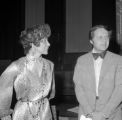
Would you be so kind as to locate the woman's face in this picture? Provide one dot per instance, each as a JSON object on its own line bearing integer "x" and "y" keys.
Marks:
{"x": 43, "y": 46}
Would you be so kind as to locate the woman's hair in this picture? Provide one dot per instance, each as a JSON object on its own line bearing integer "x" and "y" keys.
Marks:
{"x": 34, "y": 35}
{"x": 93, "y": 29}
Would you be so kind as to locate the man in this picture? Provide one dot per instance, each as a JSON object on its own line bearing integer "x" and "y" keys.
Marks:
{"x": 98, "y": 79}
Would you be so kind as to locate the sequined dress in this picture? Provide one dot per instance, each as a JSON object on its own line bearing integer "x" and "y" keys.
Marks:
{"x": 34, "y": 85}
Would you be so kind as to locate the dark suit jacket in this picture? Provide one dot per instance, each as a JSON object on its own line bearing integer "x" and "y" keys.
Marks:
{"x": 110, "y": 85}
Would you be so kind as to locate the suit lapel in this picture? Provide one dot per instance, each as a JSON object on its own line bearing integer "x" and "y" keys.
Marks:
{"x": 91, "y": 71}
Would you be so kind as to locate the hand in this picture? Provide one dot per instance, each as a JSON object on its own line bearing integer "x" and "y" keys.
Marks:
{"x": 98, "y": 116}
{"x": 84, "y": 118}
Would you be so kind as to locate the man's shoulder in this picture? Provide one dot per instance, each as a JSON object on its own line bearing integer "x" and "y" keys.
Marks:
{"x": 84, "y": 56}
{"x": 116, "y": 58}
{"x": 114, "y": 55}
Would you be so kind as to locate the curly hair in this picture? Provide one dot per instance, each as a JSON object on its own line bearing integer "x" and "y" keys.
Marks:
{"x": 34, "y": 35}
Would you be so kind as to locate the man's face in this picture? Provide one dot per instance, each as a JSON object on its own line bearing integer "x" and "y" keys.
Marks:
{"x": 100, "y": 40}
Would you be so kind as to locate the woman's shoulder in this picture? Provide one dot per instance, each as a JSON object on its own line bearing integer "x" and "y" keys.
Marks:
{"x": 48, "y": 63}
{"x": 12, "y": 67}
{"x": 20, "y": 62}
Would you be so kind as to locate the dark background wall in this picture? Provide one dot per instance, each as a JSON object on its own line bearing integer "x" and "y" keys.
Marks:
{"x": 78, "y": 23}
{"x": 12, "y": 16}
{"x": 55, "y": 17}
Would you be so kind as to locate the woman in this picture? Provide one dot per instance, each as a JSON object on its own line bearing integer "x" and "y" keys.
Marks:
{"x": 32, "y": 78}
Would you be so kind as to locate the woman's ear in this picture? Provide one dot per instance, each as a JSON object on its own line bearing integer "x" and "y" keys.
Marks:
{"x": 33, "y": 46}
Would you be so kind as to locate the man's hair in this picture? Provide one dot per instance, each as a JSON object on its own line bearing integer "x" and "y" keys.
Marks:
{"x": 94, "y": 28}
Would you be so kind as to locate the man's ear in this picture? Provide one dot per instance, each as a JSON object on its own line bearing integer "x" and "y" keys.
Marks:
{"x": 91, "y": 42}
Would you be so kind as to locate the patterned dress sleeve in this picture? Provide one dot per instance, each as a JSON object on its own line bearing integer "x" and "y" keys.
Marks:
{"x": 6, "y": 89}
{"x": 21, "y": 85}
{"x": 52, "y": 91}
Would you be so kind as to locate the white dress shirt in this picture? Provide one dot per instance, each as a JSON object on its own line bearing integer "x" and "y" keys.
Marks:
{"x": 97, "y": 67}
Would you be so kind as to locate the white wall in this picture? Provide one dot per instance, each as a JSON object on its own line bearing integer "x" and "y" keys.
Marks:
{"x": 78, "y": 23}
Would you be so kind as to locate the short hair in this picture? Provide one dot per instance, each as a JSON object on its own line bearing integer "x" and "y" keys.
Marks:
{"x": 93, "y": 29}
{"x": 34, "y": 35}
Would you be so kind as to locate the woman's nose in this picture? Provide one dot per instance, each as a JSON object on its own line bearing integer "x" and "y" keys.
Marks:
{"x": 48, "y": 43}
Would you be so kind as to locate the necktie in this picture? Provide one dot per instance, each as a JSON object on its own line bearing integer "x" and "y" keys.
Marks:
{"x": 96, "y": 55}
